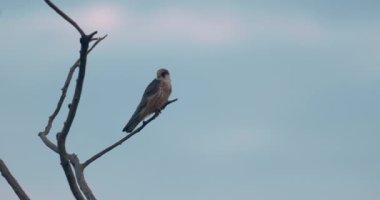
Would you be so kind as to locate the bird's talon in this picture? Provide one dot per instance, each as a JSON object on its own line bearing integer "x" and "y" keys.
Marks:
{"x": 157, "y": 111}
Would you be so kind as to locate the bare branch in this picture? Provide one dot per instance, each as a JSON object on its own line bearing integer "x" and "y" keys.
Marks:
{"x": 67, "y": 18}
{"x": 98, "y": 155}
{"x": 48, "y": 143}
{"x": 96, "y": 43}
{"x": 79, "y": 173}
{"x": 43, "y": 134}
{"x": 169, "y": 102}
{"x": 12, "y": 181}
{"x": 71, "y": 162}
{"x": 77, "y": 92}
{"x": 61, "y": 137}
{"x": 65, "y": 87}
{"x": 70, "y": 175}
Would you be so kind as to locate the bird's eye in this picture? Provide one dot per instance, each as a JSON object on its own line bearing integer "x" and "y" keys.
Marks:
{"x": 164, "y": 73}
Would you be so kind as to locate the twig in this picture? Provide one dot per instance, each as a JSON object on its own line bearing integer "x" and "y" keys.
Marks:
{"x": 48, "y": 143}
{"x": 98, "y": 155}
{"x": 67, "y": 18}
{"x": 12, "y": 181}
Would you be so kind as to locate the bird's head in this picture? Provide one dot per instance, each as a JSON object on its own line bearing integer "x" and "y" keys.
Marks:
{"x": 162, "y": 73}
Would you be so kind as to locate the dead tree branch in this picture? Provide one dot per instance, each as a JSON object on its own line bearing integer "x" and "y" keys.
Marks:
{"x": 61, "y": 136}
{"x": 12, "y": 181}
{"x": 64, "y": 16}
{"x": 43, "y": 134}
{"x": 98, "y": 155}
{"x": 79, "y": 173}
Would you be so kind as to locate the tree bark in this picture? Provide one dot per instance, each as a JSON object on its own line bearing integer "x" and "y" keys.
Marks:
{"x": 12, "y": 181}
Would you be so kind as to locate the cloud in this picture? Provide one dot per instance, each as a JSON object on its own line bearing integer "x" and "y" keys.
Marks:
{"x": 189, "y": 26}
{"x": 107, "y": 17}
{"x": 165, "y": 25}
{"x": 181, "y": 25}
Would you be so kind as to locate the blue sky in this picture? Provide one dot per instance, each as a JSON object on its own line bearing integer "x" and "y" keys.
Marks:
{"x": 277, "y": 100}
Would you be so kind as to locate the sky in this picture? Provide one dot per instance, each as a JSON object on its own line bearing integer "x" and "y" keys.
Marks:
{"x": 277, "y": 99}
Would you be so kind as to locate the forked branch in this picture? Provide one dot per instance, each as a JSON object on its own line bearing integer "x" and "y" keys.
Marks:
{"x": 61, "y": 136}
{"x": 43, "y": 134}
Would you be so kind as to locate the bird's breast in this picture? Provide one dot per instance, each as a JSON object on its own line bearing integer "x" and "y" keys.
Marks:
{"x": 163, "y": 94}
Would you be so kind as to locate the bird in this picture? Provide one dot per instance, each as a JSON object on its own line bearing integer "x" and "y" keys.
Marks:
{"x": 155, "y": 96}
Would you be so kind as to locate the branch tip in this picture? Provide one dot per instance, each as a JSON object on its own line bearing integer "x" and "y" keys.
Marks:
{"x": 92, "y": 34}
{"x": 64, "y": 16}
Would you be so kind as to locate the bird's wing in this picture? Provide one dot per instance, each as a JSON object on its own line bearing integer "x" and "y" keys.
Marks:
{"x": 152, "y": 89}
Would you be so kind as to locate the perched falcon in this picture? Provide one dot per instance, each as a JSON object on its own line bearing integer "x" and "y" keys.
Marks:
{"x": 155, "y": 96}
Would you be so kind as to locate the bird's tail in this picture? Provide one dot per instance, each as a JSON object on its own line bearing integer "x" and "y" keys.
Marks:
{"x": 133, "y": 122}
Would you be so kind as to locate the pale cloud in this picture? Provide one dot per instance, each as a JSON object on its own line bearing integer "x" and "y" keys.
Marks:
{"x": 188, "y": 25}
{"x": 184, "y": 25}
{"x": 181, "y": 25}
{"x": 168, "y": 25}
{"x": 105, "y": 18}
